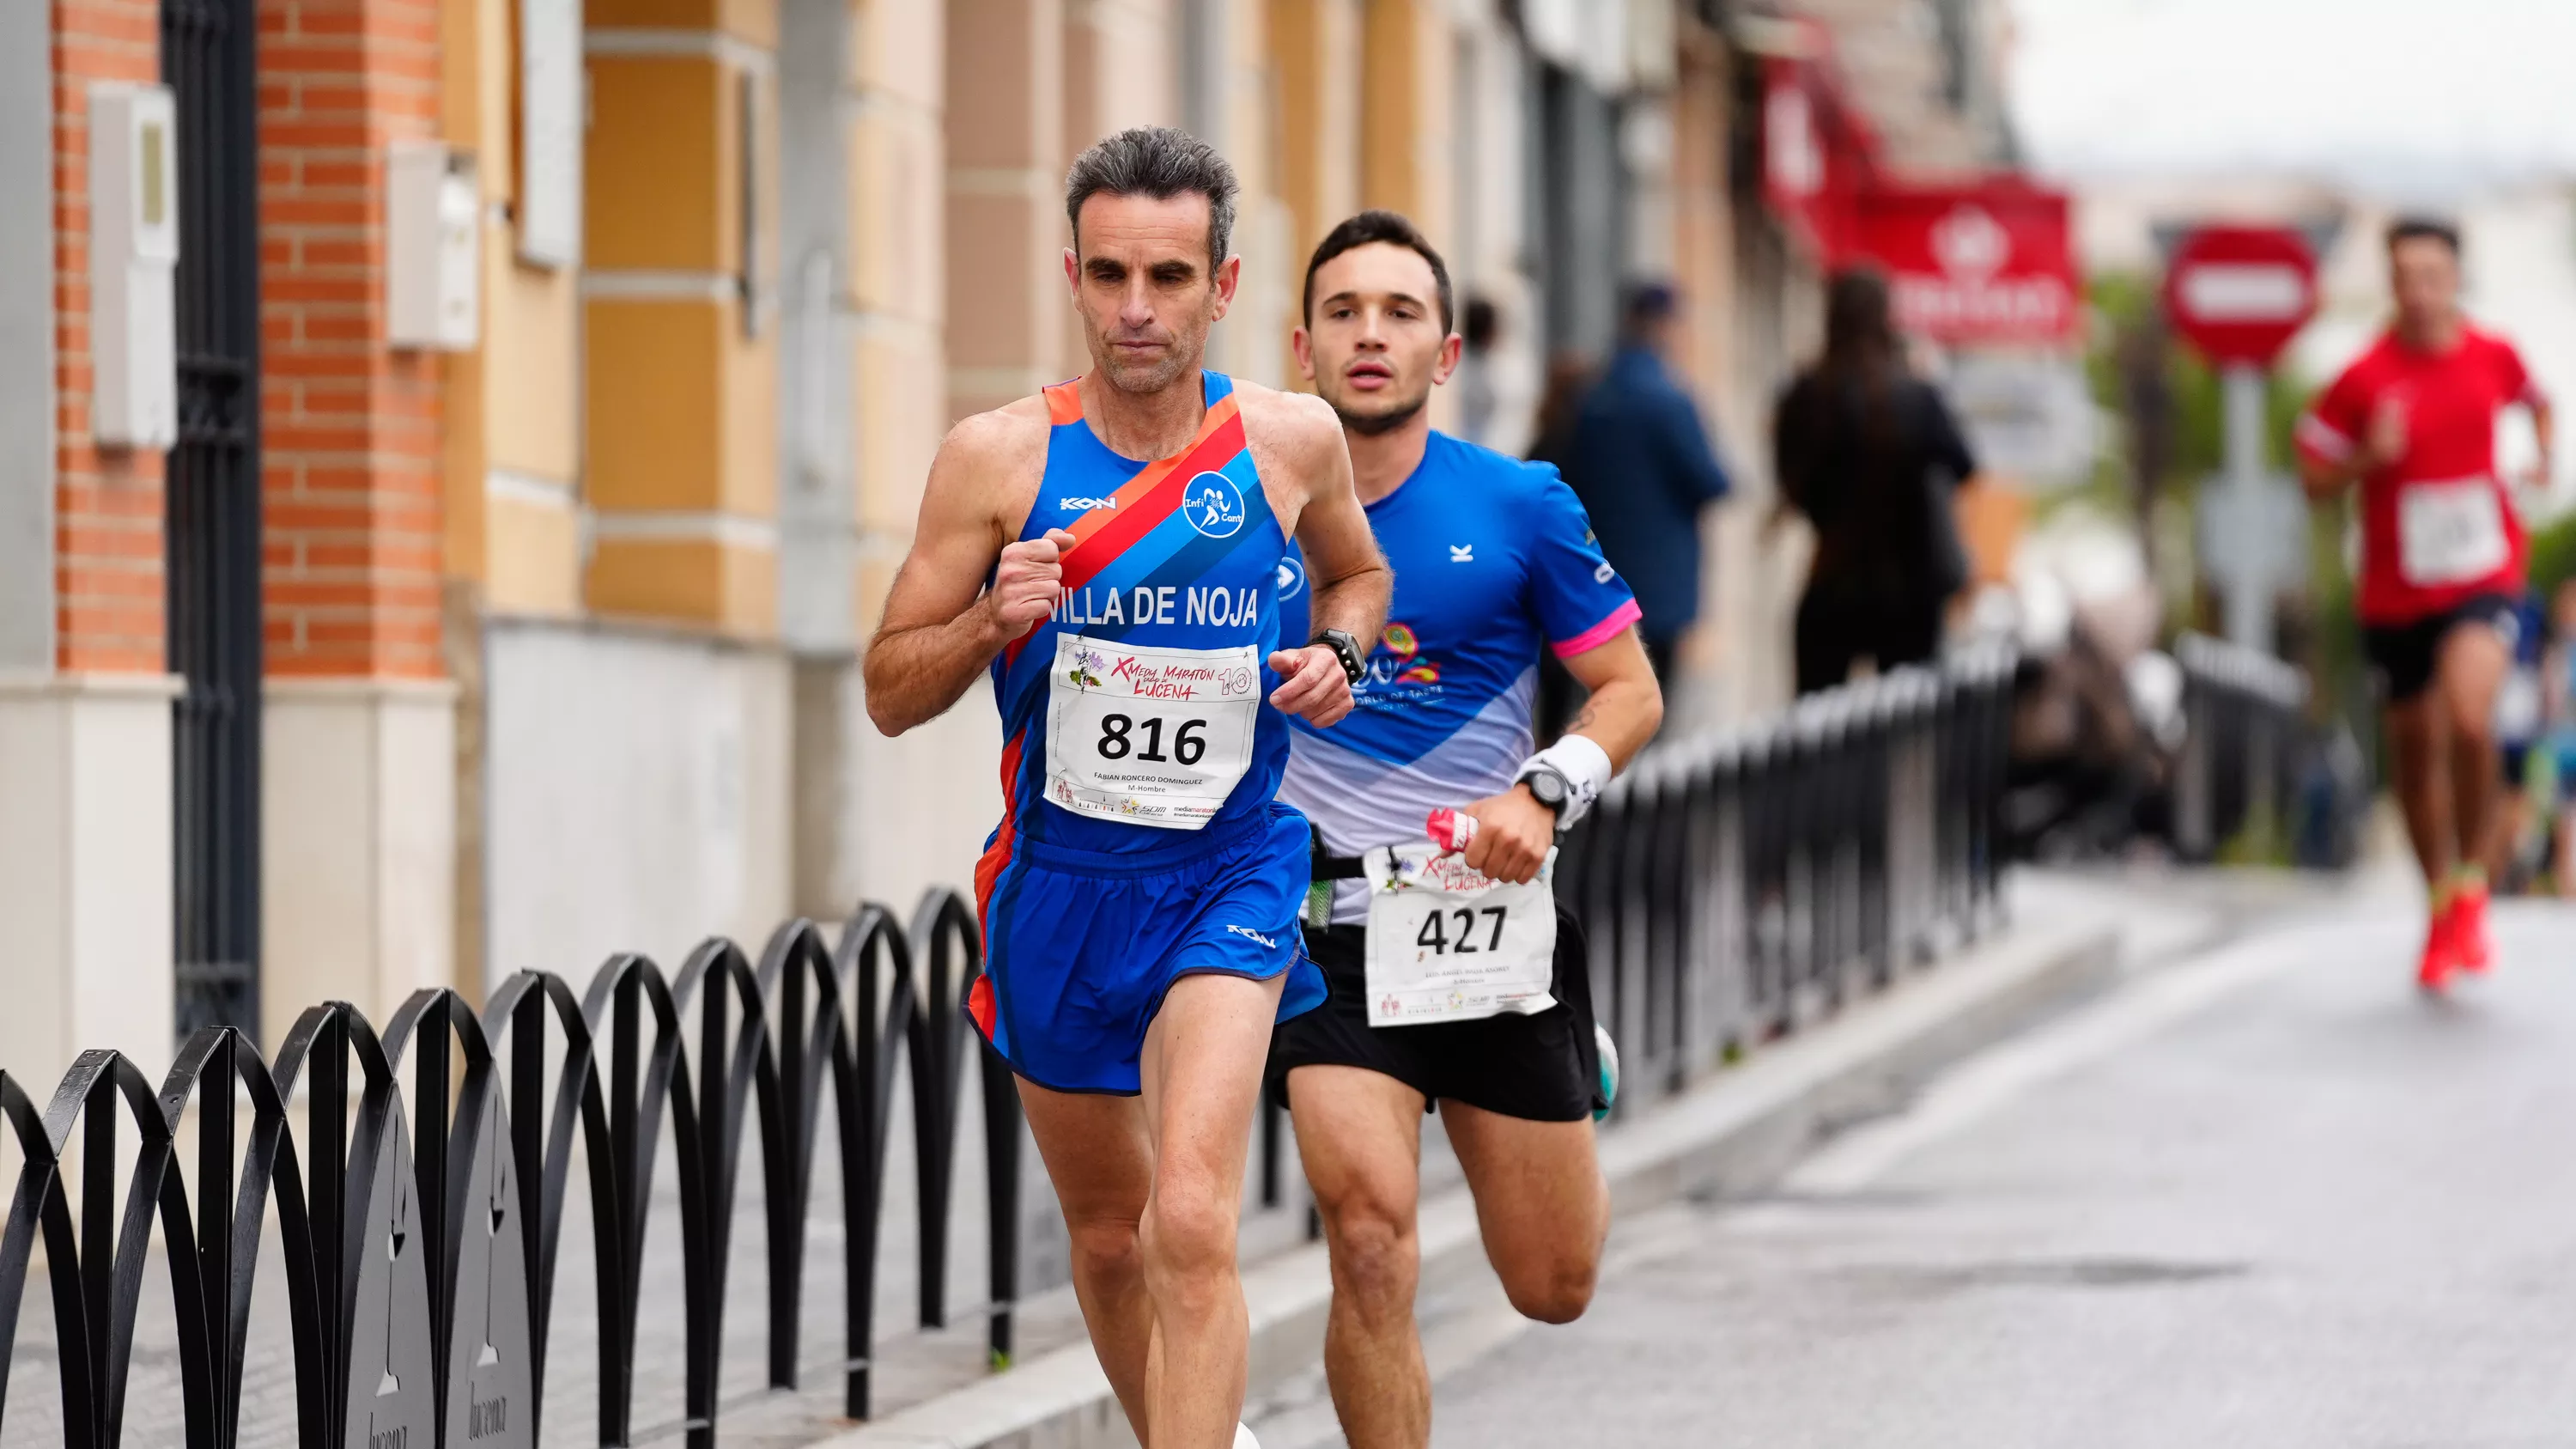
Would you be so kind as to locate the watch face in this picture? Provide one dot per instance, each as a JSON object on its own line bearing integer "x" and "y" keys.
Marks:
{"x": 1547, "y": 789}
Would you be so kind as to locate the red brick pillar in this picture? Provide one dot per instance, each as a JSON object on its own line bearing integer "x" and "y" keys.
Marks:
{"x": 351, "y": 426}
{"x": 357, "y": 795}
{"x": 107, "y": 502}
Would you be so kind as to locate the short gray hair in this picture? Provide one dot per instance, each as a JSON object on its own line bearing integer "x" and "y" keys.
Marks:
{"x": 1161, "y": 162}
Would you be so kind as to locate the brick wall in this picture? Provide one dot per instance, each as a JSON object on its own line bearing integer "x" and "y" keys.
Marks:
{"x": 351, "y": 427}
{"x": 107, "y": 503}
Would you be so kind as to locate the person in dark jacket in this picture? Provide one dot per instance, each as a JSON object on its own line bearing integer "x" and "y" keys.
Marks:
{"x": 1641, "y": 462}
{"x": 1870, "y": 454}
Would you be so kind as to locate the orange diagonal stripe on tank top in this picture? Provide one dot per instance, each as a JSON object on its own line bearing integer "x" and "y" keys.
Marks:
{"x": 1135, "y": 489}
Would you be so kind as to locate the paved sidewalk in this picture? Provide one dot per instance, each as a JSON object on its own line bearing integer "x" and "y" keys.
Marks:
{"x": 1742, "y": 1129}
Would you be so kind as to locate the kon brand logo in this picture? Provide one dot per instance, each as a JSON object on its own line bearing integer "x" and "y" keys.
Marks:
{"x": 1250, "y": 934}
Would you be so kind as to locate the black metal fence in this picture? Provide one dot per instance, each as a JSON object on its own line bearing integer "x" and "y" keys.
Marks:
{"x": 2246, "y": 745}
{"x": 1737, "y": 884}
{"x": 420, "y": 1247}
{"x": 212, "y": 541}
{"x": 1734, "y": 885}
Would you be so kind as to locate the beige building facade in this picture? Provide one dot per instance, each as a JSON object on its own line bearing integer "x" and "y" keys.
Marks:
{"x": 553, "y": 614}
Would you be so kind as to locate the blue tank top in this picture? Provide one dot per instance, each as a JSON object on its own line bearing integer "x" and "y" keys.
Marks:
{"x": 1180, "y": 554}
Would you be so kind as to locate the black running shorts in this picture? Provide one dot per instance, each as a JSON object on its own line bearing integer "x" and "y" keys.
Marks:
{"x": 1540, "y": 1068}
{"x": 2407, "y": 654}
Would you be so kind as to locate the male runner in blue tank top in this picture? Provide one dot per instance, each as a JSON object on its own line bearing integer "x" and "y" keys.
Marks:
{"x": 1139, "y": 899}
{"x": 1447, "y": 989}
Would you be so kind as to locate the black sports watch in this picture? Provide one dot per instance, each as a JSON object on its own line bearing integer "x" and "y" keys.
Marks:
{"x": 1346, "y": 649}
{"x": 1548, "y": 788}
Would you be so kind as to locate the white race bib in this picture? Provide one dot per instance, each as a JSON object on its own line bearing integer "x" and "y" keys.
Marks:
{"x": 1146, "y": 735}
{"x": 1448, "y": 944}
{"x": 2450, "y": 532}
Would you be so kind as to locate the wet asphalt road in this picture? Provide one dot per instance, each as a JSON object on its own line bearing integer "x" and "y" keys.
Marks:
{"x": 2264, "y": 1197}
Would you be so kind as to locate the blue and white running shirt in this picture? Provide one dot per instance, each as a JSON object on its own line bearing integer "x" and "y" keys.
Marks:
{"x": 1491, "y": 555}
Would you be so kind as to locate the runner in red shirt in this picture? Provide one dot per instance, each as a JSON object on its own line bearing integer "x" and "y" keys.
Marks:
{"x": 2413, "y": 421}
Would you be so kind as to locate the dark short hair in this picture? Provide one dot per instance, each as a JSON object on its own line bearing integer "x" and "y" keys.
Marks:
{"x": 2424, "y": 228}
{"x": 1481, "y": 324}
{"x": 1161, "y": 162}
{"x": 1648, "y": 302}
{"x": 1367, "y": 229}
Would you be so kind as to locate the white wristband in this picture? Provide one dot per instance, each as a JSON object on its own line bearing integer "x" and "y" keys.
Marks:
{"x": 1585, "y": 766}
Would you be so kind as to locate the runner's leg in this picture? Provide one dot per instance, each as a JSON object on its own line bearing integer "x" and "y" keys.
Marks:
{"x": 2423, "y": 795}
{"x": 1102, "y": 1163}
{"x": 1201, "y": 1070}
{"x": 2469, "y": 670}
{"x": 1541, "y": 1203}
{"x": 1359, "y": 1134}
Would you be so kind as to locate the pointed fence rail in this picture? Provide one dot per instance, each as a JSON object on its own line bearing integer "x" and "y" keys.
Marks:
{"x": 1734, "y": 884}
{"x": 420, "y": 1230}
{"x": 1737, "y": 883}
{"x": 2246, "y": 736}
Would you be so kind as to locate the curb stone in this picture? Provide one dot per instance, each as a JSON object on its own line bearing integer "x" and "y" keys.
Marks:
{"x": 1735, "y": 1132}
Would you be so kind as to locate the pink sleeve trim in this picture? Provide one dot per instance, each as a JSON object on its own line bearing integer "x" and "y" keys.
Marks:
{"x": 1601, "y": 633}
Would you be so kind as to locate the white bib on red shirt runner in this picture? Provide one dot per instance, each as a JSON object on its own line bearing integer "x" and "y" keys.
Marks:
{"x": 2450, "y": 531}
{"x": 1447, "y": 943}
{"x": 1148, "y": 735}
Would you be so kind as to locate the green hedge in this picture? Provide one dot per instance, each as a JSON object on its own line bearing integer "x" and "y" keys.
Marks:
{"x": 2553, "y": 554}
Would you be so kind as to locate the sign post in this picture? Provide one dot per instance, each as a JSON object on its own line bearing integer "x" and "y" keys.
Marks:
{"x": 2239, "y": 294}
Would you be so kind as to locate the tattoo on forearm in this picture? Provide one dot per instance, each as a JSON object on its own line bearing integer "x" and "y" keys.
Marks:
{"x": 1584, "y": 717}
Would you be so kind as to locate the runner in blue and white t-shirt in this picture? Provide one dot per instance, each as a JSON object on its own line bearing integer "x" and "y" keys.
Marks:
{"x": 1453, "y": 980}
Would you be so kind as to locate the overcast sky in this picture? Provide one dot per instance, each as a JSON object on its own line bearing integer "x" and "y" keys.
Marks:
{"x": 2405, "y": 97}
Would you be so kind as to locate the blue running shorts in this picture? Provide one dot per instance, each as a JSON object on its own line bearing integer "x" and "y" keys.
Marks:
{"x": 1079, "y": 947}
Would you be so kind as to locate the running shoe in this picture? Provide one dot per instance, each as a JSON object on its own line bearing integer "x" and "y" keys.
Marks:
{"x": 2470, "y": 944}
{"x": 2441, "y": 960}
{"x": 1609, "y": 1070}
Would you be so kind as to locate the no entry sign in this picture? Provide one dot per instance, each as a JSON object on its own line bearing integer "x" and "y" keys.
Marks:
{"x": 2240, "y": 293}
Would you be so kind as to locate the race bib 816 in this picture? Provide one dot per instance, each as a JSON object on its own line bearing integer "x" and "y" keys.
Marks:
{"x": 1147, "y": 735}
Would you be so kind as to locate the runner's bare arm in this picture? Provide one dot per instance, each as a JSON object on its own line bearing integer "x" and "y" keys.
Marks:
{"x": 2544, "y": 430}
{"x": 941, "y": 625}
{"x": 1626, "y": 707}
{"x": 2381, "y": 444}
{"x": 1351, "y": 581}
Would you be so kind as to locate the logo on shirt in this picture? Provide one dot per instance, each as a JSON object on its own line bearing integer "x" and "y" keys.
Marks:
{"x": 1404, "y": 667}
{"x": 1462, "y": 553}
{"x": 1249, "y": 934}
{"x": 1291, "y": 578}
{"x": 1213, "y": 505}
{"x": 1604, "y": 574}
{"x": 1085, "y": 505}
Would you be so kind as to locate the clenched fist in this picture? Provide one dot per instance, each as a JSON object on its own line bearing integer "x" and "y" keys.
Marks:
{"x": 1026, "y": 582}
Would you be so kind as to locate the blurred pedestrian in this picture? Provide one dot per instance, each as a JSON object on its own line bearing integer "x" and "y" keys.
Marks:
{"x": 1480, "y": 327}
{"x": 2558, "y": 717}
{"x": 1641, "y": 462}
{"x": 1870, "y": 454}
{"x": 1570, "y": 375}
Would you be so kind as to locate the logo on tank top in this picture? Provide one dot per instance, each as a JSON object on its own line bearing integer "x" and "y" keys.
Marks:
{"x": 1213, "y": 505}
{"x": 1291, "y": 578}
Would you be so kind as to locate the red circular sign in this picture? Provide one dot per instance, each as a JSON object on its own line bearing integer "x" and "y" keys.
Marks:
{"x": 2240, "y": 293}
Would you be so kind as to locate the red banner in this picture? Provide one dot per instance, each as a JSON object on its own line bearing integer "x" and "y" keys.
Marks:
{"x": 1817, "y": 153}
{"x": 1986, "y": 261}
